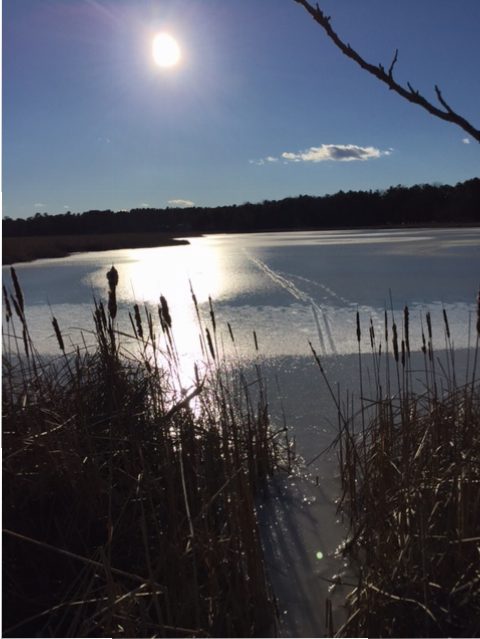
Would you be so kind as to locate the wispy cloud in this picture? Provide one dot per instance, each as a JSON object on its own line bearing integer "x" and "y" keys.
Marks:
{"x": 466, "y": 140}
{"x": 39, "y": 205}
{"x": 180, "y": 204}
{"x": 327, "y": 152}
{"x": 262, "y": 161}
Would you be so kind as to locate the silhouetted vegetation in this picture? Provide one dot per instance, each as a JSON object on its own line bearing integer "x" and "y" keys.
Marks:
{"x": 409, "y": 455}
{"x": 128, "y": 501}
{"x": 398, "y": 205}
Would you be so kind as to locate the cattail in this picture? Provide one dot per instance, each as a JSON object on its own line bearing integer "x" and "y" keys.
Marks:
{"x": 17, "y": 308}
{"x": 403, "y": 353}
{"x": 255, "y": 340}
{"x": 165, "y": 312}
{"x": 359, "y": 334}
{"x": 445, "y": 320}
{"x": 231, "y": 332}
{"x": 406, "y": 322}
{"x": 395, "y": 341}
{"x": 18, "y": 290}
{"x": 6, "y": 301}
{"x": 210, "y": 343}
{"x": 138, "y": 320}
{"x": 194, "y": 297}
{"x": 132, "y": 323}
{"x": 386, "y": 326}
{"x": 58, "y": 334}
{"x": 112, "y": 277}
{"x": 372, "y": 334}
{"x": 429, "y": 324}
{"x": 212, "y": 314}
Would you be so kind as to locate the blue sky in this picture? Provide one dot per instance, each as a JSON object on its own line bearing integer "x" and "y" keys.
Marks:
{"x": 262, "y": 105}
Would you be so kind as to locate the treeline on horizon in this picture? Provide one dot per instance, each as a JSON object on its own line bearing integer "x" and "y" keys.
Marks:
{"x": 398, "y": 205}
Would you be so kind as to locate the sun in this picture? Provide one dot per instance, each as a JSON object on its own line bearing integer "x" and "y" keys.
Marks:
{"x": 165, "y": 50}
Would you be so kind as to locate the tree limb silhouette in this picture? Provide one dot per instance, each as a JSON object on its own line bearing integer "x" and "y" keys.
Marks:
{"x": 409, "y": 93}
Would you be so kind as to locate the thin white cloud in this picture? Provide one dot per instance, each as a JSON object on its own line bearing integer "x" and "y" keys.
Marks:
{"x": 39, "y": 205}
{"x": 180, "y": 204}
{"x": 466, "y": 140}
{"x": 335, "y": 153}
{"x": 327, "y": 152}
{"x": 145, "y": 205}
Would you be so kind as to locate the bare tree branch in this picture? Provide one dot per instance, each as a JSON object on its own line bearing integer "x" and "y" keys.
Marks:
{"x": 409, "y": 93}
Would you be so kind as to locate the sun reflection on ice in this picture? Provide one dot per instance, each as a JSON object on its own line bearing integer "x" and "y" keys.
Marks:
{"x": 146, "y": 274}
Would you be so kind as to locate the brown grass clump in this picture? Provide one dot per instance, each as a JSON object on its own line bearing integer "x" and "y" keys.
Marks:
{"x": 410, "y": 469}
{"x": 128, "y": 502}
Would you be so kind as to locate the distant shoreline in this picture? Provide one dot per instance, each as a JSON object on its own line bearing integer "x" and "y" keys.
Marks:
{"x": 31, "y": 248}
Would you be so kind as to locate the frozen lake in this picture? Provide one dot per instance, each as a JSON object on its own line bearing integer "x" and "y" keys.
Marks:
{"x": 289, "y": 288}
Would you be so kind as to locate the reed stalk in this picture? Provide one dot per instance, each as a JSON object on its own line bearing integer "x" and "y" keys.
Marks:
{"x": 128, "y": 500}
{"x": 414, "y": 502}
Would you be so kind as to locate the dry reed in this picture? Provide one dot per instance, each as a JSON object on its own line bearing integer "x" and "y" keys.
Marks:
{"x": 410, "y": 475}
{"x": 128, "y": 503}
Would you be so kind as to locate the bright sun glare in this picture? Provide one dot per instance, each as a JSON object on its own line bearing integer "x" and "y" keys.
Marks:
{"x": 165, "y": 50}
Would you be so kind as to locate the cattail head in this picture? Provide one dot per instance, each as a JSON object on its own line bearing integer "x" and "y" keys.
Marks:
{"x": 406, "y": 323}
{"x": 372, "y": 334}
{"x": 359, "y": 334}
{"x": 138, "y": 320}
{"x": 58, "y": 334}
{"x": 445, "y": 321}
{"x": 17, "y": 288}
{"x": 429, "y": 324}
{"x": 212, "y": 314}
{"x": 395, "y": 341}
{"x": 210, "y": 343}
{"x": 165, "y": 312}
{"x": 112, "y": 277}
{"x": 6, "y": 301}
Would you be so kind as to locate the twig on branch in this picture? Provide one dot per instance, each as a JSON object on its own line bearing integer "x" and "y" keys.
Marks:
{"x": 410, "y": 94}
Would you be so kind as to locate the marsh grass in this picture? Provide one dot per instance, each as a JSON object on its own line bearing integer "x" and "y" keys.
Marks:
{"x": 410, "y": 471}
{"x": 128, "y": 501}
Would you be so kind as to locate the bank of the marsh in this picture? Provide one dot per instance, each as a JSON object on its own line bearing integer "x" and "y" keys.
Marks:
{"x": 28, "y": 248}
